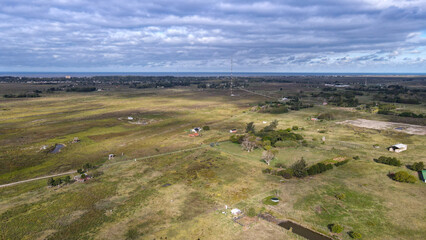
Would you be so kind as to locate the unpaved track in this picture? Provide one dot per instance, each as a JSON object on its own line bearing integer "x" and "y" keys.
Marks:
{"x": 106, "y": 165}
{"x": 37, "y": 178}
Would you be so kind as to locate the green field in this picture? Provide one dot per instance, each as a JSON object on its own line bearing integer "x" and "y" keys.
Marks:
{"x": 182, "y": 195}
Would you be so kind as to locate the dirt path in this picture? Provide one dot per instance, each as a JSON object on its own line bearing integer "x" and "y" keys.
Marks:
{"x": 37, "y": 178}
{"x": 106, "y": 165}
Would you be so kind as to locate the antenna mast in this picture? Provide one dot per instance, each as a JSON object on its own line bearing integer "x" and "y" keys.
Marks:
{"x": 232, "y": 80}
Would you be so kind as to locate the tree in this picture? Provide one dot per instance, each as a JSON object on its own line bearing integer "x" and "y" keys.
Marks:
{"x": 249, "y": 144}
{"x": 268, "y": 155}
{"x": 50, "y": 182}
{"x": 271, "y": 126}
{"x": 418, "y": 166}
{"x": 299, "y": 168}
{"x": 87, "y": 166}
{"x": 67, "y": 179}
{"x": 250, "y": 128}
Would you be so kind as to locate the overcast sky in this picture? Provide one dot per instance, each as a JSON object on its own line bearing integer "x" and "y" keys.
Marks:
{"x": 203, "y": 35}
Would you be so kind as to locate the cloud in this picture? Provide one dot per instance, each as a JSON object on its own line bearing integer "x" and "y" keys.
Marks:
{"x": 202, "y": 35}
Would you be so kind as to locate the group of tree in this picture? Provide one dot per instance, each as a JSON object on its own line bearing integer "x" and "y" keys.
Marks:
{"x": 58, "y": 181}
{"x": 22, "y": 95}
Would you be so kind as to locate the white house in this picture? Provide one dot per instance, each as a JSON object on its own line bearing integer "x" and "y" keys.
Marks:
{"x": 397, "y": 148}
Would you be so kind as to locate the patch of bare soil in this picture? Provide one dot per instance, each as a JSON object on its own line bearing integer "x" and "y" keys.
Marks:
{"x": 380, "y": 125}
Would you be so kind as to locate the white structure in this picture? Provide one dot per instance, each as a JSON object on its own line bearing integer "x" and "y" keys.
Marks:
{"x": 235, "y": 211}
{"x": 397, "y": 148}
{"x": 196, "y": 129}
{"x": 265, "y": 122}
{"x": 129, "y": 118}
{"x": 111, "y": 156}
{"x": 233, "y": 131}
{"x": 284, "y": 99}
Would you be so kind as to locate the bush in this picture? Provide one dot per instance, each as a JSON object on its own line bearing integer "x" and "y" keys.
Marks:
{"x": 326, "y": 116}
{"x": 267, "y": 170}
{"x": 418, "y": 166}
{"x": 341, "y": 163}
{"x": 279, "y": 165}
{"x": 206, "y": 128}
{"x": 340, "y": 196}
{"x": 356, "y": 157}
{"x": 67, "y": 179}
{"x": 251, "y": 212}
{"x": 237, "y": 138}
{"x": 355, "y": 235}
{"x": 299, "y": 169}
{"x": 335, "y": 228}
{"x": 295, "y": 128}
{"x": 388, "y": 160}
{"x": 403, "y": 176}
{"x": 319, "y": 168}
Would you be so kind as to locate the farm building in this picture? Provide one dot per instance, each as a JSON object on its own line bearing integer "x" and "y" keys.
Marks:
{"x": 196, "y": 129}
{"x": 397, "y": 148}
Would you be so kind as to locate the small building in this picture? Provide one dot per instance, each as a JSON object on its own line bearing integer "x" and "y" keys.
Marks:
{"x": 196, "y": 129}
{"x": 236, "y": 211}
{"x": 233, "y": 131}
{"x": 397, "y": 148}
{"x": 111, "y": 156}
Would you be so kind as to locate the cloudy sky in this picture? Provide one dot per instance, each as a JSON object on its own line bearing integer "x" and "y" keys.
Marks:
{"x": 203, "y": 35}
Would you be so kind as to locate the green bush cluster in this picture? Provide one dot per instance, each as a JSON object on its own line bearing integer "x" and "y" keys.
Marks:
{"x": 251, "y": 212}
{"x": 388, "y": 160}
{"x": 403, "y": 176}
{"x": 355, "y": 235}
{"x": 236, "y": 138}
{"x": 319, "y": 168}
{"x": 326, "y": 116}
{"x": 206, "y": 128}
{"x": 55, "y": 182}
{"x": 299, "y": 169}
{"x": 341, "y": 163}
{"x": 340, "y": 196}
{"x": 335, "y": 228}
{"x": 418, "y": 166}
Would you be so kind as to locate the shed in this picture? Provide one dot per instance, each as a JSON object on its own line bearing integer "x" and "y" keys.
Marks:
{"x": 397, "y": 148}
{"x": 235, "y": 211}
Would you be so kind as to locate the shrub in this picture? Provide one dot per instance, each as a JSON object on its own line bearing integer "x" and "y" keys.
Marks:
{"x": 304, "y": 143}
{"x": 267, "y": 170}
{"x": 67, "y": 179}
{"x": 251, "y": 212}
{"x": 341, "y": 163}
{"x": 340, "y": 196}
{"x": 388, "y": 160}
{"x": 335, "y": 228}
{"x": 299, "y": 168}
{"x": 295, "y": 128}
{"x": 326, "y": 116}
{"x": 355, "y": 235}
{"x": 319, "y": 168}
{"x": 50, "y": 182}
{"x": 356, "y": 157}
{"x": 403, "y": 176}
{"x": 418, "y": 166}
{"x": 279, "y": 165}
{"x": 236, "y": 138}
{"x": 206, "y": 128}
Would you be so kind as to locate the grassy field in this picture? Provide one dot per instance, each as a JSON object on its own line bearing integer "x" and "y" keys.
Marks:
{"x": 183, "y": 195}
